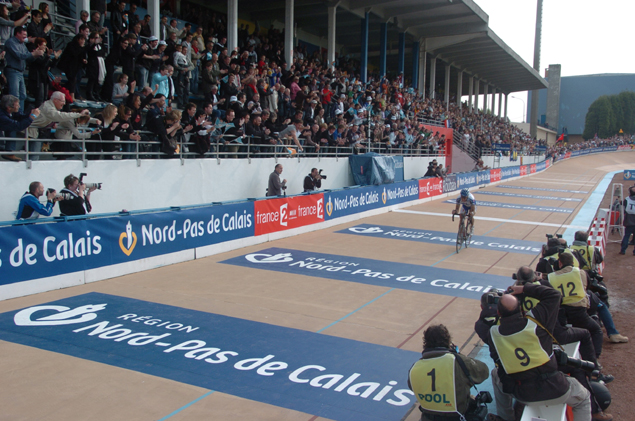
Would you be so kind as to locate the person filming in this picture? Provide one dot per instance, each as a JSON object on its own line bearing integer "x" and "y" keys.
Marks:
{"x": 30, "y": 206}
{"x": 313, "y": 181}
{"x": 78, "y": 198}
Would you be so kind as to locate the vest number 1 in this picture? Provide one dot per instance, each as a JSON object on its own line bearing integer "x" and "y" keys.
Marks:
{"x": 432, "y": 374}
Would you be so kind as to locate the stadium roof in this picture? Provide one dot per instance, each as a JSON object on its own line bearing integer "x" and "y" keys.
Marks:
{"x": 455, "y": 31}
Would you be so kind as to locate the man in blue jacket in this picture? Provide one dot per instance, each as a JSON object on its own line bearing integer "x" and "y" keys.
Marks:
{"x": 30, "y": 206}
{"x": 17, "y": 55}
{"x": 11, "y": 120}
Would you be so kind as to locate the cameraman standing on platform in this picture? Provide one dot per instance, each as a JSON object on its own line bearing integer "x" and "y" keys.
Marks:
{"x": 442, "y": 378}
{"x": 523, "y": 351}
{"x": 275, "y": 186}
{"x": 78, "y": 202}
{"x": 313, "y": 181}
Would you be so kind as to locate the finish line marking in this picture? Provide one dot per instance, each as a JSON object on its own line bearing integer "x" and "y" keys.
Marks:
{"x": 483, "y": 218}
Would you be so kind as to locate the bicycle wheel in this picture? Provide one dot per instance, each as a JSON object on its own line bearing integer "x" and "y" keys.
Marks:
{"x": 460, "y": 237}
{"x": 468, "y": 234}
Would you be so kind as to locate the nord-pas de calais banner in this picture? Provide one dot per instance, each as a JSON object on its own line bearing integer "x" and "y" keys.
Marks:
{"x": 275, "y": 215}
{"x": 330, "y": 377}
{"x": 466, "y": 180}
{"x": 433, "y": 280}
{"x": 430, "y": 187}
{"x": 510, "y": 172}
{"x": 347, "y": 202}
{"x": 39, "y": 250}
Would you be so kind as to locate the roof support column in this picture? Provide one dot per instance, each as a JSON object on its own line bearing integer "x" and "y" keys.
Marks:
{"x": 383, "y": 46}
{"x": 155, "y": 22}
{"x": 500, "y": 103}
{"x": 476, "y": 93}
{"x": 364, "y": 52}
{"x": 448, "y": 68}
{"x": 485, "y": 98}
{"x": 422, "y": 68}
{"x": 470, "y": 103}
{"x": 433, "y": 75}
{"x": 332, "y": 12}
{"x": 459, "y": 91}
{"x": 493, "y": 107}
{"x": 82, "y": 5}
{"x": 402, "y": 52}
{"x": 288, "y": 32}
{"x": 506, "y": 101}
{"x": 415, "y": 64}
{"x": 232, "y": 25}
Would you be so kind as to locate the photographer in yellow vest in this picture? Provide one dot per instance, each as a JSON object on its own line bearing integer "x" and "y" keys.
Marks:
{"x": 523, "y": 351}
{"x": 442, "y": 378}
{"x": 571, "y": 282}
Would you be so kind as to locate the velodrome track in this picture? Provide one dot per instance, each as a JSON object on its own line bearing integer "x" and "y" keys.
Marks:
{"x": 278, "y": 331}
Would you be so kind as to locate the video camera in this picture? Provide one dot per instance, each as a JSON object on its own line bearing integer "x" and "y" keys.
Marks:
{"x": 88, "y": 185}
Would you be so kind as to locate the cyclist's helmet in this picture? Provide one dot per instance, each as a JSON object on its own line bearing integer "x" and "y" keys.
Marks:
{"x": 465, "y": 193}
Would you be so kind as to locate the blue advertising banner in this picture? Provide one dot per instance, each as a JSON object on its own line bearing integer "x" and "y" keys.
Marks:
{"x": 483, "y": 177}
{"x": 540, "y": 148}
{"x": 37, "y": 250}
{"x": 446, "y": 238}
{"x": 527, "y": 196}
{"x": 466, "y": 180}
{"x": 541, "y": 166}
{"x": 347, "y": 202}
{"x": 509, "y": 186}
{"x": 521, "y": 207}
{"x": 454, "y": 283}
{"x": 629, "y": 174}
{"x": 509, "y": 172}
{"x": 324, "y": 375}
{"x": 501, "y": 146}
{"x": 449, "y": 183}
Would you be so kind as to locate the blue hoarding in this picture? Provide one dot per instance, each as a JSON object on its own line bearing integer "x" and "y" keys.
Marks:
{"x": 35, "y": 251}
{"x": 323, "y": 375}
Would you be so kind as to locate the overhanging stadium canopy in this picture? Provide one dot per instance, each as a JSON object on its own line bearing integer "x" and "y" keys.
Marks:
{"x": 456, "y": 32}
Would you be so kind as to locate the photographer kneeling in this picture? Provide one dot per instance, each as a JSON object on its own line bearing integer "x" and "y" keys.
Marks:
{"x": 313, "y": 181}
{"x": 442, "y": 379}
{"x": 76, "y": 198}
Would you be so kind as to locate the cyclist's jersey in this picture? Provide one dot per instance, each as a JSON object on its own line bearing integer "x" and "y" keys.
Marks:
{"x": 467, "y": 205}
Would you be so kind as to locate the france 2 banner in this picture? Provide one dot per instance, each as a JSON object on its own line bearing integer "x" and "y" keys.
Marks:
{"x": 275, "y": 215}
{"x": 495, "y": 175}
{"x": 429, "y": 187}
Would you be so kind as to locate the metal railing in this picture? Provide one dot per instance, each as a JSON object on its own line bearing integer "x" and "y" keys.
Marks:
{"x": 223, "y": 147}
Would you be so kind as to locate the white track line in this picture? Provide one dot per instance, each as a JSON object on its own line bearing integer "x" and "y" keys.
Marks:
{"x": 511, "y": 221}
{"x": 560, "y": 182}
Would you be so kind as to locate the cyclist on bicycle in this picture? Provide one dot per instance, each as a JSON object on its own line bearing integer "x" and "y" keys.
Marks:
{"x": 467, "y": 203}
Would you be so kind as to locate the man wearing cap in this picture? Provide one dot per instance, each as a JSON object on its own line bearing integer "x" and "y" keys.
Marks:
{"x": 144, "y": 62}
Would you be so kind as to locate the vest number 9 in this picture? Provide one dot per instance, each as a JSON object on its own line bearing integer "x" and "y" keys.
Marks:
{"x": 571, "y": 291}
{"x": 521, "y": 354}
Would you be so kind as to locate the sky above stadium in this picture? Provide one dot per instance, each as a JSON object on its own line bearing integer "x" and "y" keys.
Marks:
{"x": 584, "y": 37}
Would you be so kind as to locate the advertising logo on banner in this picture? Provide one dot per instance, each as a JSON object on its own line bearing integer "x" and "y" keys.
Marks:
{"x": 433, "y": 280}
{"x": 483, "y": 177}
{"x": 624, "y": 148}
{"x": 541, "y": 166}
{"x": 33, "y": 251}
{"x": 449, "y": 183}
{"x": 495, "y": 175}
{"x": 523, "y": 170}
{"x": 629, "y": 174}
{"x": 275, "y": 215}
{"x": 429, "y": 187}
{"x": 466, "y": 180}
{"x": 323, "y": 375}
{"x": 532, "y": 169}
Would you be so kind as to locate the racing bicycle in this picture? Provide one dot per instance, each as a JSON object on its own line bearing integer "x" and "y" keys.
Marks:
{"x": 464, "y": 235}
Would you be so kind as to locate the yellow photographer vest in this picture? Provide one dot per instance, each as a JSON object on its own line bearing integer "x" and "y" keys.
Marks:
{"x": 569, "y": 285}
{"x": 432, "y": 381}
{"x": 587, "y": 253}
{"x": 520, "y": 351}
